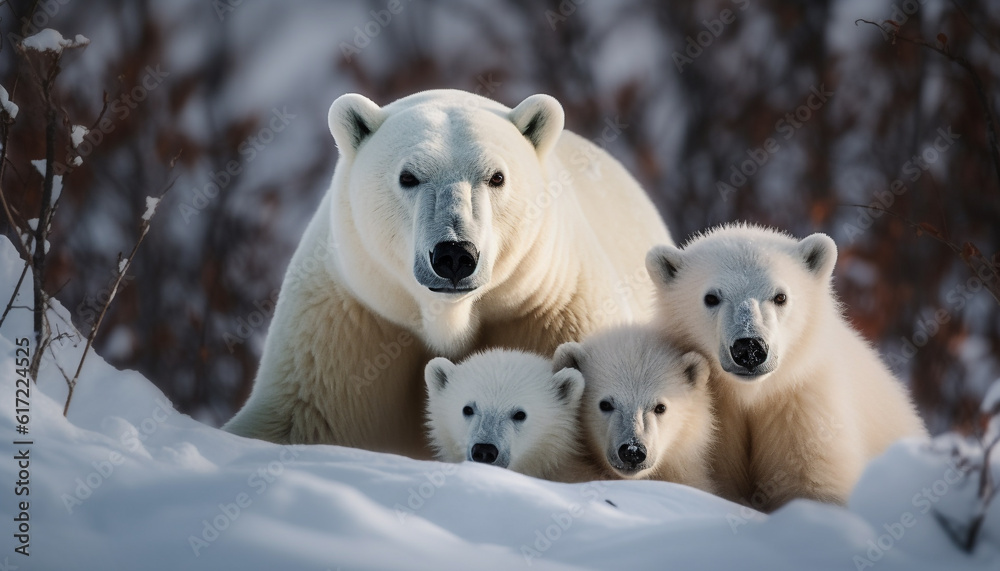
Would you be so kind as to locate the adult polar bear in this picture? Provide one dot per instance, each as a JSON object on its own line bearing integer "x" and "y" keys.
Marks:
{"x": 452, "y": 224}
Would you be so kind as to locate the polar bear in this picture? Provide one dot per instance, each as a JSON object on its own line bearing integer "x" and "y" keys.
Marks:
{"x": 803, "y": 402}
{"x": 646, "y": 411}
{"x": 452, "y": 224}
{"x": 507, "y": 408}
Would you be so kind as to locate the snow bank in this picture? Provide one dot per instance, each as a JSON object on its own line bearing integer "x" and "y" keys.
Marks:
{"x": 126, "y": 482}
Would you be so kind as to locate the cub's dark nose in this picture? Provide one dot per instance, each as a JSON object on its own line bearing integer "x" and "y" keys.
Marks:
{"x": 749, "y": 352}
{"x": 632, "y": 453}
{"x": 485, "y": 453}
{"x": 454, "y": 261}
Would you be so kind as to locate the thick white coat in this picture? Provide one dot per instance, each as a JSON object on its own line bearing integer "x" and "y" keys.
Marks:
{"x": 804, "y": 422}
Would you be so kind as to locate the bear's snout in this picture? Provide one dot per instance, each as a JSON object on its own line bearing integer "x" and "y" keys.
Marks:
{"x": 749, "y": 352}
{"x": 484, "y": 453}
{"x": 632, "y": 453}
{"x": 454, "y": 261}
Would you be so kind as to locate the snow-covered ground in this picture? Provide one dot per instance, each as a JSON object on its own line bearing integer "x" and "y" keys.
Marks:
{"x": 126, "y": 482}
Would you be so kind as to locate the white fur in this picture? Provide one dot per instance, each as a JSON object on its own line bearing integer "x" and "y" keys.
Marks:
{"x": 634, "y": 370}
{"x": 806, "y": 420}
{"x": 495, "y": 385}
{"x": 562, "y": 245}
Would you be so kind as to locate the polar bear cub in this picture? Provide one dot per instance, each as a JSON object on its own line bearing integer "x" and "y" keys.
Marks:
{"x": 646, "y": 411}
{"x": 803, "y": 401}
{"x": 506, "y": 408}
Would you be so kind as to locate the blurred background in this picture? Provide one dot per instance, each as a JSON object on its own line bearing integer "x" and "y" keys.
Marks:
{"x": 782, "y": 113}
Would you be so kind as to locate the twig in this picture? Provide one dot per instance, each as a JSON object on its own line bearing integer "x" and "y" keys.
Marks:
{"x": 123, "y": 266}
{"x": 984, "y": 101}
{"x": 967, "y": 251}
{"x": 13, "y": 295}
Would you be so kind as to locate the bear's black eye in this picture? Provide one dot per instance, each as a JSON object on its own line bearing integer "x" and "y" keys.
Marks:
{"x": 408, "y": 180}
{"x": 660, "y": 408}
{"x": 497, "y": 179}
{"x": 711, "y": 300}
{"x": 606, "y": 406}
{"x": 519, "y": 416}
{"x": 467, "y": 411}
{"x": 780, "y": 299}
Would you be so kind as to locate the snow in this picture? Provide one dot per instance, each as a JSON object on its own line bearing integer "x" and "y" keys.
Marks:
{"x": 150, "y": 208}
{"x": 77, "y": 134}
{"x": 49, "y": 40}
{"x": 6, "y": 104}
{"x": 127, "y": 482}
{"x": 57, "y": 180}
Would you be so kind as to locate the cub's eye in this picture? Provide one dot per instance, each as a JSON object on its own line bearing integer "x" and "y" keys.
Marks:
{"x": 606, "y": 406}
{"x": 711, "y": 300}
{"x": 780, "y": 299}
{"x": 519, "y": 416}
{"x": 467, "y": 411}
{"x": 660, "y": 408}
{"x": 408, "y": 180}
{"x": 497, "y": 179}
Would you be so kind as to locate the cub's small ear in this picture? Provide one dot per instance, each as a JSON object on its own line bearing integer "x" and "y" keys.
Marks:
{"x": 568, "y": 355}
{"x": 663, "y": 263}
{"x": 819, "y": 254}
{"x": 568, "y": 384}
{"x": 695, "y": 368}
{"x": 436, "y": 374}
{"x": 353, "y": 118}
{"x": 540, "y": 118}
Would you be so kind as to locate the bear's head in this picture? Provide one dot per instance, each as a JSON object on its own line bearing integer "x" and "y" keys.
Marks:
{"x": 430, "y": 196}
{"x": 644, "y": 401}
{"x": 502, "y": 407}
{"x": 745, "y": 296}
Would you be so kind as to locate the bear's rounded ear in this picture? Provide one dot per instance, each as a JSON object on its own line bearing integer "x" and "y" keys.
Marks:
{"x": 540, "y": 118}
{"x": 436, "y": 373}
{"x": 568, "y": 355}
{"x": 353, "y": 118}
{"x": 568, "y": 384}
{"x": 819, "y": 254}
{"x": 696, "y": 368}
{"x": 663, "y": 262}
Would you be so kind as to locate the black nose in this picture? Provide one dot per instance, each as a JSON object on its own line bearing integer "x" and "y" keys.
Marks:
{"x": 485, "y": 453}
{"x": 632, "y": 453}
{"x": 454, "y": 261}
{"x": 749, "y": 352}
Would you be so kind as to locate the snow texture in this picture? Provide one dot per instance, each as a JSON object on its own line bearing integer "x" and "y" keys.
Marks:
{"x": 6, "y": 104}
{"x": 77, "y": 134}
{"x": 150, "y": 208}
{"x": 57, "y": 180}
{"x": 49, "y": 40}
{"x": 127, "y": 482}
